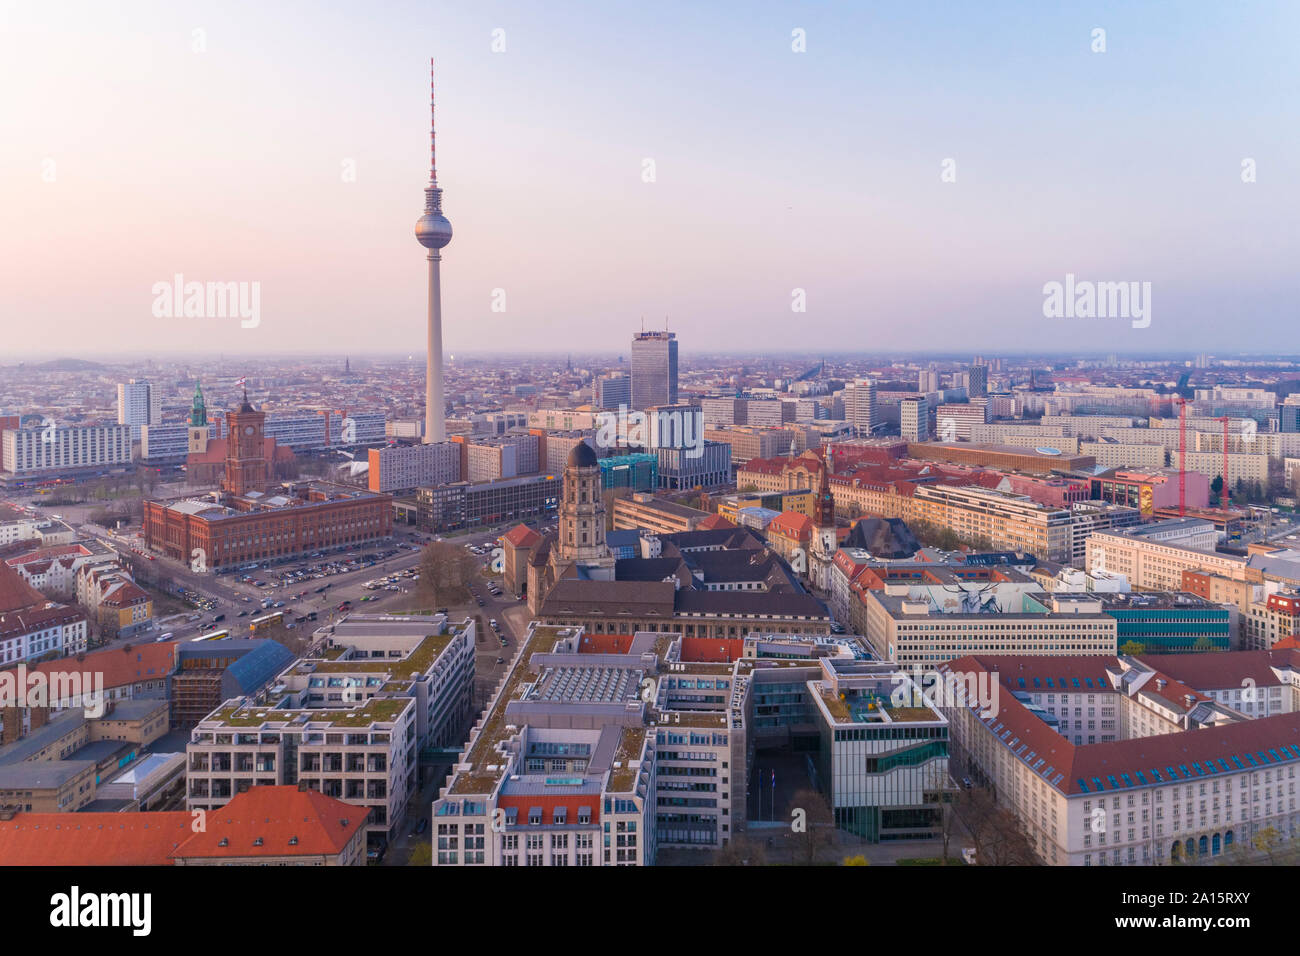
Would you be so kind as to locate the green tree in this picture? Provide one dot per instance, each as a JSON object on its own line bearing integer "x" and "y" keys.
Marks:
{"x": 1133, "y": 648}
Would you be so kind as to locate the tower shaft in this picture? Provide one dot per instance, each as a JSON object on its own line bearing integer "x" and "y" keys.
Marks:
{"x": 435, "y": 404}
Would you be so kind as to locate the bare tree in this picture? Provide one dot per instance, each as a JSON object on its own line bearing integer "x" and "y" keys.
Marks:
{"x": 812, "y": 823}
{"x": 446, "y": 571}
{"x": 741, "y": 850}
{"x": 940, "y": 792}
{"x": 996, "y": 832}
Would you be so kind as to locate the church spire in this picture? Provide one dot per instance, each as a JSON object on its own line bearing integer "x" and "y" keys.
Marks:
{"x": 198, "y": 407}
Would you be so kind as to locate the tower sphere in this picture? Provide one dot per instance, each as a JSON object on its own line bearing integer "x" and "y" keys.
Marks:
{"x": 433, "y": 230}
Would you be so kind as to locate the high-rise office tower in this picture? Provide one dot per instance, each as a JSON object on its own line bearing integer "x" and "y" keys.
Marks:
{"x": 138, "y": 403}
{"x": 860, "y": 407}
{"x": 927, "y": 381}
{"x": 977, "y": 381}
{"x": 433, "y": 232}
{"x": 654, "y": 369}
{"x": 611, "y": 390}
{"x": 914, "y": 419}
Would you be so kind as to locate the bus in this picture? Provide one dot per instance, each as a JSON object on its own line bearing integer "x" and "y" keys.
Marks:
{"x": 214, "y": 636}
{"x": 259, "y": 624}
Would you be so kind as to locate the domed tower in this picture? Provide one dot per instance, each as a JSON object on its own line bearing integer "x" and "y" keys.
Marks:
{"x": 582, "y": 515}
{"x": 433, "y": 231}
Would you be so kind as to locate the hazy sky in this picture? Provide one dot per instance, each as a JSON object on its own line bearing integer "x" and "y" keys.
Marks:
{"x": 126, "y": 156}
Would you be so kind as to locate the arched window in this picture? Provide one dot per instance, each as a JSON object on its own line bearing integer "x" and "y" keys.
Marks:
{"x": 1190, "y": 848}
{"x": 1204, "y": 846}
{"x": 1215, "y": 847}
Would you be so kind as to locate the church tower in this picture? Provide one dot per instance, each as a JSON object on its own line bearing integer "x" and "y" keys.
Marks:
{"x": 582, "y": 516}
{"x": 246, "y": 465}
{"x": 825, "y": 541}
{"x": 197, "y": 426}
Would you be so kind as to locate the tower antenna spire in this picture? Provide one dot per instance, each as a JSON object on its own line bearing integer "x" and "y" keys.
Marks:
{"x": 433, "y": 151}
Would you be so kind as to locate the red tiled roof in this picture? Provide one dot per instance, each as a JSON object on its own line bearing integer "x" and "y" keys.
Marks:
{"x": 15, "y": 592}
{"x": 93, "y": 839}
{"x": 323, "y": 826}
{"x": 119, "y": 666}
{"x": 1064, "y": 765}
{"x": 791, "y": 524}
{"x": 713, "y": 522}
{"x": 521, "y": 536}
{"x": 320, "y": 825}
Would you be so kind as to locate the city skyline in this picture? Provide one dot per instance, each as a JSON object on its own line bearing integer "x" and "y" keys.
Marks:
{"x": 1115, "y": 166}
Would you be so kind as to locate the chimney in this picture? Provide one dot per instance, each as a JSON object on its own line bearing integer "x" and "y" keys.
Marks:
{"x": 1190, "y": 700}
{"x": 40, "y": 716}
{"x": 1160, "y": 683}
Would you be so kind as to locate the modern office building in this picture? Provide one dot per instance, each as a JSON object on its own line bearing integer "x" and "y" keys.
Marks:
{"x": 1169, "y": 622}
{"x": 364, "y": 428}
{"x": 954, "y": 421}
{"x": 603, "y": 750}
{"x": 914, "y": 419}
{"x": 462, "y": 505}
{"x": 861, "y": 408}
{"x": 398, "y": 468}
{"x": 706, "y": 466}
{"x": 164, "y": 444}
{"x": 977, "y": 381}
{"x": 654, "y": 369}
{"x": 612, "y": 390}
{"x": 57, "y": 451}
{"x": 1156, "y": 565}
{"x": 659, "y": 515}
{"x": 638, "y": 472}
{"x": 912, "y": 631}
{"x": 349, "y": 723}
{"x": 138, "y": 403}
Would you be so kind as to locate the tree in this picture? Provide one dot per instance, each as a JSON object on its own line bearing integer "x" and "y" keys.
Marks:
{"x": 1203, "y": 644}
{"x": 812, "y": 823}
{"x": 421, "y": 854}
{"x": 939, "y": 791}
{"x": 858, "y": 860}
{"x": 999, "y": 838}
{"x": 1133, "y": 648}
{"x": 741, "y": 850}
{"x": 446, "y": 571}
{"x": 1216, "y": 486}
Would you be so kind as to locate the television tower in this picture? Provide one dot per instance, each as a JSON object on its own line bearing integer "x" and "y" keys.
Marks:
{"x": 433, "y": 232}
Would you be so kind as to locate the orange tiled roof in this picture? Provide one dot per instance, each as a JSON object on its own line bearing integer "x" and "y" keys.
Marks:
{"x": 285, "y": 819}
